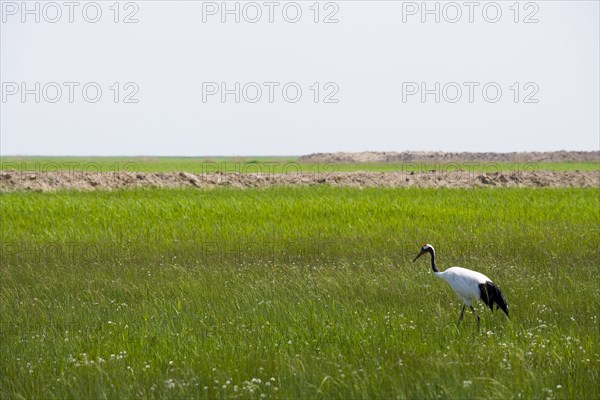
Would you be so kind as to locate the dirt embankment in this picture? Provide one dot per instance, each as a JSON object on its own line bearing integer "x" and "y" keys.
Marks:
{"x": 404, "y": 177}
{"x": 433, "y": 157}
{"x": 51, "y": 181}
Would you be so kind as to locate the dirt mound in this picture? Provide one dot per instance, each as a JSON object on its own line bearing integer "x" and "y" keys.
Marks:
{"x": 51, "y": 181}
{"x": 443, "y": 157}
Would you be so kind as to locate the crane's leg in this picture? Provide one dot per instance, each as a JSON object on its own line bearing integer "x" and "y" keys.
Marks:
{"x": 476, "y": 316}
{"x": 462, "y": 313}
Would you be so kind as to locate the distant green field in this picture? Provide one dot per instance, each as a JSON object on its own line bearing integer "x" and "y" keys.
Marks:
{"x": 296, "y": 292}
{"x": 263, "y": 165}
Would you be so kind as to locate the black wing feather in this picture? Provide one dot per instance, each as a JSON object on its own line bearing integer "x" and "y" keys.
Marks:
{"x": 491, "y": 294}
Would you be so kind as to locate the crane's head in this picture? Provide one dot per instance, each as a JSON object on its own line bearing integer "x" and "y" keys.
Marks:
{"x": 427, "y": 248}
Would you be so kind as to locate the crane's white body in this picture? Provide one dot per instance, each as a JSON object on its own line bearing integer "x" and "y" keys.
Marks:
{"x": 464, "y": 282}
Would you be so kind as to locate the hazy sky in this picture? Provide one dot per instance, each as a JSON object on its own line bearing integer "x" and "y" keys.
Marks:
{"x": 309, "y": 77}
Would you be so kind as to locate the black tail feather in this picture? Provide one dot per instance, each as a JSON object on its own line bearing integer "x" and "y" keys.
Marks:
{"x": 491, "y": 294}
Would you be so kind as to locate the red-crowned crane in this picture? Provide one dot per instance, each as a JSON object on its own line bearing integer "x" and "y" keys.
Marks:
{"x": 468, "y": 285}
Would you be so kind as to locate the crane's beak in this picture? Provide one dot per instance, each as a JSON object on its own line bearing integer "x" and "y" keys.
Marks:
{"x": 419, "y": 255}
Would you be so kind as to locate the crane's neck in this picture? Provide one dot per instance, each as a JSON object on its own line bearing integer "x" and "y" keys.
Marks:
{"x": 433, "y": 265}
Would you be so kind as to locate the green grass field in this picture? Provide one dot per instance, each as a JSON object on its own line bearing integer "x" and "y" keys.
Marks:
{"x": 262, "y": 165}
{"x": 292, "y": 292}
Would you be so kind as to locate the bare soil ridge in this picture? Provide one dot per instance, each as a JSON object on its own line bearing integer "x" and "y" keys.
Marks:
{"x": 52, "y": 181}
{"x": 448, "y": 157}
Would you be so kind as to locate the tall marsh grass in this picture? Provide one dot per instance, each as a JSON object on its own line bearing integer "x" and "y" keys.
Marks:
{"x": 296, "y": 293}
